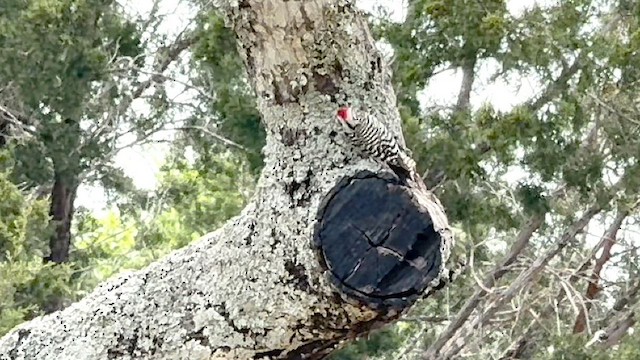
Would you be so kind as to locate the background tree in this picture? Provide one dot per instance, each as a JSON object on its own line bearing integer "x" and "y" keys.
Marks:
{"x": 25, "y": 283}
{"x": 72, "y": 70}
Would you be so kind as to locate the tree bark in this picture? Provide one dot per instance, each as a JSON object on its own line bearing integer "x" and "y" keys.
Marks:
{"x": 594, "y": 288}
{"x": 468, "y": 76}
{"x": 254, "y": 288}
{"x": 63, "y": 195}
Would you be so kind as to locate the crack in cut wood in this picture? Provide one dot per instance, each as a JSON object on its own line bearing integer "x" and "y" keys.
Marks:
{"x": 377, "y": 240}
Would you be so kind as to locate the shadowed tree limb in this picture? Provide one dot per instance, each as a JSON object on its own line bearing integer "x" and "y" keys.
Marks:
{"x": 593, "y": 289}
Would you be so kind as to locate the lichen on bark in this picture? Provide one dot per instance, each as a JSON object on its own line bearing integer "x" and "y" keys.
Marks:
{"x": 253, "y": 288}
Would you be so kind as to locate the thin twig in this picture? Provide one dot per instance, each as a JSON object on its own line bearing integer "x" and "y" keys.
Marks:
{"x": 218, "y": 137}
{"x": 524, "y": 278}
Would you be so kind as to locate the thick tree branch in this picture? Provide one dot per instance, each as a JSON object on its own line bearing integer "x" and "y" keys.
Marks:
{"x": 254, "y": 288}
{"x": 468, "y": 77}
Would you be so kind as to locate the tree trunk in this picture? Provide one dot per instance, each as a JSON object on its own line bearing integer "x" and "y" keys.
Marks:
{"x": 4, "y": 132}
{"x": 255, "y": 288}
{"x": 468, "y": 76}
{"x": 63, "y": 195}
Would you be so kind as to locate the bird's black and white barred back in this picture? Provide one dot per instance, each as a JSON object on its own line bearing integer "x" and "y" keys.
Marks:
{"x": 374, "y": 139}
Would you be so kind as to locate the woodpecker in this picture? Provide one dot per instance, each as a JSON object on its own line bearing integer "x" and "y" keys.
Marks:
{"x": 372, "y": 137}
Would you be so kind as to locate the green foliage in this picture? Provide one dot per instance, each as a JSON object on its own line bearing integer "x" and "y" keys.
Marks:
{"x": 572, "y": 347}
{"x": 106, "y": 245}
{"x": 438, "y": 33}
{"x": 192, "y": 199}
{"x": 232, "y": 101}
{"x": 198, "y": 196}
{"x": 55, "y": 55}
{"x": 375, "y": 344}
{"x": 66, "y": 43}
{"x": 533, "y": 199}
{"x": 25, "y": 282}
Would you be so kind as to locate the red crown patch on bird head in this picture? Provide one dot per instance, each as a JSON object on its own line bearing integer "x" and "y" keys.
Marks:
{"x": 344, "y": 113}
